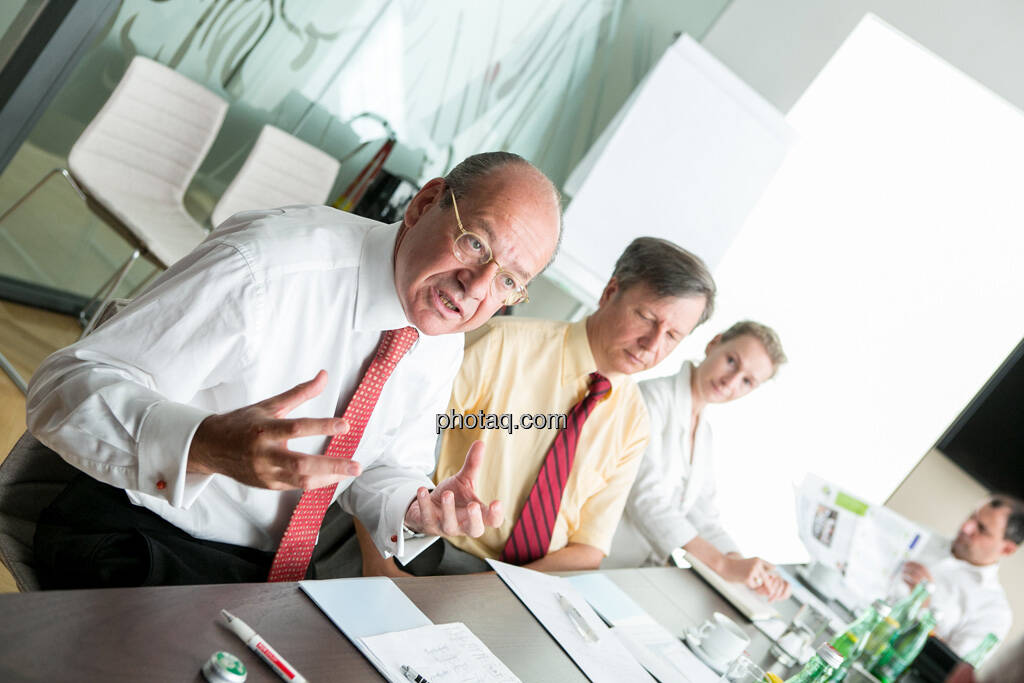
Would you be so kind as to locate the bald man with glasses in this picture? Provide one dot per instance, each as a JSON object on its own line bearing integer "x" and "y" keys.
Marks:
{"x": 290, "y": 366}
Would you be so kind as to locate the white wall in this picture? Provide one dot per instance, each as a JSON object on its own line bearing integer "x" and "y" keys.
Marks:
{"x": 778, "y": 47}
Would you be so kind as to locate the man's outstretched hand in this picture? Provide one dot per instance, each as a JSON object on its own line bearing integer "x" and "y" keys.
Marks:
{"x": 452, "y": 509}
{"x": 250, "y": 444}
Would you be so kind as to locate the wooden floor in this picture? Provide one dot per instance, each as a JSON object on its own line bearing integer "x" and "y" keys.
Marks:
{"x": 27, "y": 336}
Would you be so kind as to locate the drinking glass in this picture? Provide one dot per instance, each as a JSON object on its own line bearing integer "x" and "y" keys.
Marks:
{"x": 743, "y": 670}
{"x": 802, "y": 632}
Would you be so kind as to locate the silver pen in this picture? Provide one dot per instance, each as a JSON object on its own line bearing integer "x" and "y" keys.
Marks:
{"x": 411, "y": 674}
{"x": 577, "y": 619}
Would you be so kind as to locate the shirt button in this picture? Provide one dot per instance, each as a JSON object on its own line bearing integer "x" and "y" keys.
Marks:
{"x": 394, "y": 538}
{"x": 161, "y": 485}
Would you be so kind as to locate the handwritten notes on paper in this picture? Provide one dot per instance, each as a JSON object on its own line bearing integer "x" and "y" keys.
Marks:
{"x": 440, "y": 653}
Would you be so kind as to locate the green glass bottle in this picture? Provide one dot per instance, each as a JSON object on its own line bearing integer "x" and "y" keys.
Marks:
{"x": 976, "y": 656}
{"x": 878, "y": 642}
{"x": 851, "y": 642}
{"x": 820, "y": 667}
{"x": 904, "y": 649}
{"x": 905, "y": 611}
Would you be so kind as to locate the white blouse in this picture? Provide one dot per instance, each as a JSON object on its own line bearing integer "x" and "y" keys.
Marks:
{"x": 673, "y": 498}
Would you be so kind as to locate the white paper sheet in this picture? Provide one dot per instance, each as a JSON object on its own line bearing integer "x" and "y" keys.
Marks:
{"x": 441, "y": 653}
{"x": 608, "y": 600}
{"x": 663, "y": 649}
{"x": 656, "y": 648}
{"x": 606, "y": 660}
{"x": 365, "y": 607}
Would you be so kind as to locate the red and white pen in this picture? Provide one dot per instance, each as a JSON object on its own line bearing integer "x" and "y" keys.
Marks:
{"x": 262, "y": 648}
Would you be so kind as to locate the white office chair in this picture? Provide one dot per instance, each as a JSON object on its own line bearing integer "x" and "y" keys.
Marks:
{"x": 280, "y": 170}
{"x": 135, "y": 160}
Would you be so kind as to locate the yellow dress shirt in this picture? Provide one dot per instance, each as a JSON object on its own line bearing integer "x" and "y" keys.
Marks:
{"x": 518, "y": 366}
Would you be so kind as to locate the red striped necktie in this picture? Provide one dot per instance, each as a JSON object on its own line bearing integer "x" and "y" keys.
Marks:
{"x": 531, "y": 536}
{"x": 296, "y": 547}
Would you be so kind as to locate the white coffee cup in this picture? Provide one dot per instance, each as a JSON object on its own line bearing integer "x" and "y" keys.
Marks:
{"x": 721, "y": 639}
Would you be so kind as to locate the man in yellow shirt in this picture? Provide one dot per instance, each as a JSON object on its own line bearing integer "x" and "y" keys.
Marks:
{"x": 558, "y": 390}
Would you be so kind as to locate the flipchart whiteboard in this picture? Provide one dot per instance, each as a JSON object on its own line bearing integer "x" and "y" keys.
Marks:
{"x": 685, "y": 159}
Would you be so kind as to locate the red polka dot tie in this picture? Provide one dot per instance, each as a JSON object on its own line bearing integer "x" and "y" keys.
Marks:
{"x": 531, "y": 536}
{"x": 296, "y": 547}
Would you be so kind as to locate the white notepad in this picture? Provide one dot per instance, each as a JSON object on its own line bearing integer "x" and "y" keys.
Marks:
{"x": 440, "y": 653}
{"x": 365, "y": 607}
{"x": 750, "y": 604}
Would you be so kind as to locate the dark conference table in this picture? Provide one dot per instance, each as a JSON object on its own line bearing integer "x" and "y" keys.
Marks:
{"x": 167, "y": 633}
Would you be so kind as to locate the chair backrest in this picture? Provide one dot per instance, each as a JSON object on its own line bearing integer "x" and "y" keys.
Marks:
{"x": 280, "y": 170}
{"x": 150, "y": 136}
{"x": 31, "y": 477}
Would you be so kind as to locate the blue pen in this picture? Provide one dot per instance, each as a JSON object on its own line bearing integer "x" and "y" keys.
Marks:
{"x": 906, "y": 554}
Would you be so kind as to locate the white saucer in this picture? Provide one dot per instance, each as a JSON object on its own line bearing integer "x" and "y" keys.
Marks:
{"x": 694, "y": 644}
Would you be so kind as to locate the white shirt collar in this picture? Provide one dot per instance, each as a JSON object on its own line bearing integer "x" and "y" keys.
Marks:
{"x": 377, "y": 304}
{"x": 683, "y": 392}
{"x": 987, "y": 574}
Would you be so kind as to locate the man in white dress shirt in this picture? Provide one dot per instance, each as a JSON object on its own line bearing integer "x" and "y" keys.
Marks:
{"x": 968, "y": 599}
{"x": 196, "y": 400}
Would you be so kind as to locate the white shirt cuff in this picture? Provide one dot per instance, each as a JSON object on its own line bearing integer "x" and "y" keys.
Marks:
{"x": 164, "y": 439}
{"x": 394, "y": 541}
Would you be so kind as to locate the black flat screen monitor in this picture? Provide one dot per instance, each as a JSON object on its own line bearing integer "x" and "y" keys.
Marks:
{"x": 987, "y": 439}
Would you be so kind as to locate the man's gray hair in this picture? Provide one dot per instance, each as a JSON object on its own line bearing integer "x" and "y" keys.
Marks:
{"x": 668, "y": 269}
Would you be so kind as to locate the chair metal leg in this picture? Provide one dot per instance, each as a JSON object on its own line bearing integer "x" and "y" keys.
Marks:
{"x": 21, "y": 200}
{"x": 142, "y": 285}
{"x": 109, "y": 286}
{"x": 84, "y": 315}
{"x": 107, "y": 292}
{"x": 5, "y": 364}
{"x": 19, "y": 382}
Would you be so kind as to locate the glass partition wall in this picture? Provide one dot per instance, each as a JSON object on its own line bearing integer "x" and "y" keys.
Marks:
{"x": 450, "y": 78}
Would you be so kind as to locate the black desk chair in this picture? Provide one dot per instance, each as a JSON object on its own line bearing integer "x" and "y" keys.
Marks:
{"x": 31, "y": 477}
